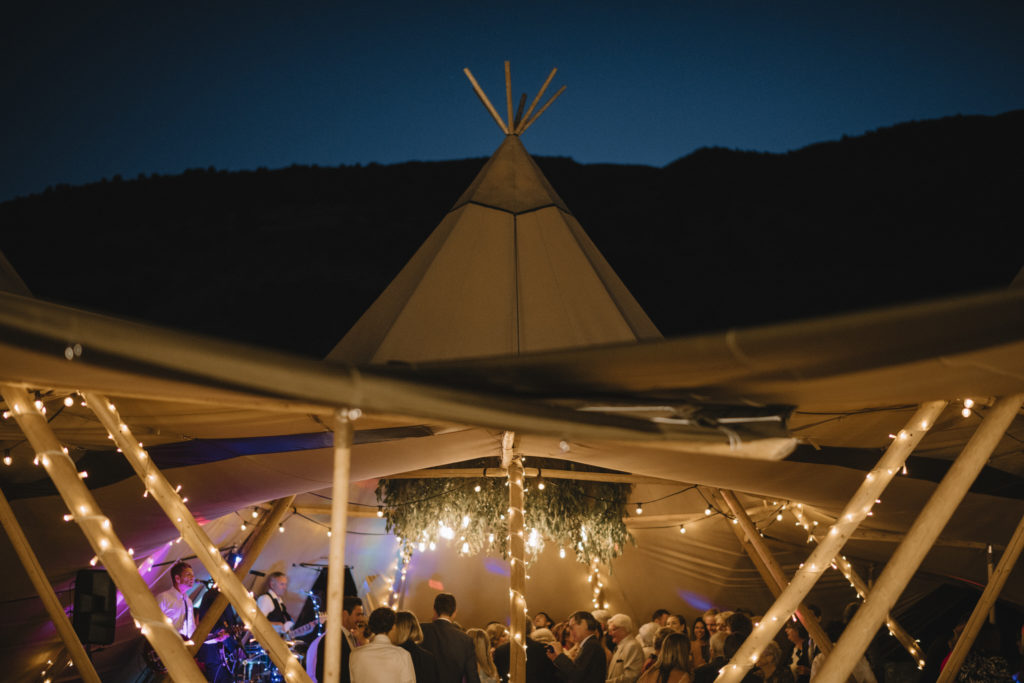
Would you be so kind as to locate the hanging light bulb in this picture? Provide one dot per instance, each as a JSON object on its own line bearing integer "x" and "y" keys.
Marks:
{"x": 540, "y": 484}
{"x": 968, "y": 403}
{"x": 380, "y": 511}
{"x": 69, "y": 401}
{"x": 639, "y": 508}
{"x": 682, "y": 529}
{"x": 255, "y": 513}
{"x": 707, "y": 511}
{"x": 8, "y": 460}
{"x": 561, "y": 553}
{"x": 477, "y": 488}
{"x": 280, "y": 527}
{"x": 244, "y": 527}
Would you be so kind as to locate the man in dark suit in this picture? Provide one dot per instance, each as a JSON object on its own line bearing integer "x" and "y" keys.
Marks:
{"x": 456, "y": 658}
{"x": 590, "y": 666}
{"x": 351, "y": 612}
{"x": 539, "y": 668}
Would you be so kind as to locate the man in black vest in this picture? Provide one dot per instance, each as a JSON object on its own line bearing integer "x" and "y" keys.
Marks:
{"x": 456, "y": 657}
{"x": 272, "y": 605}
{"x": 351, "y": 613}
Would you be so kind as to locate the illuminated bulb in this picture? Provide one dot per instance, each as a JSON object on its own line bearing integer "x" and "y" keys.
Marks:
{"x": 433, "y": 546}
{"x": 477, "y": 488}
{"x": 735, "y": 520}
{"x": 93, "y": 561}
{"x": 639, "y": 508}
{"x": 280, "y": 528}
{"x": 7, "y": 414}
{"x": 465, "y": 521}
{"x": 968, "y": 403}
{"x": 69, "y": 401}
{"x": 39, "y": 405}
{"x": 904, "y": 469}
{"x": 255, "y": 513}
{"x": 707, "y": 511}
{"x": 540, "y": 484}
{"x": 966, "y": 412}
{"x": 380, "y": 511}
{"x": 561, "y": 553}
{"x": 779, "y": 516}
{"x": 244, "y": 526}
{"x": 185, "y": 499}
{"x": 131, "y": 552}
{"x": 682, "y": 529}
{"x": 328, "y": 533}
{"x": 8, "y": 460}
{"x": 177, "y": 488}
{"x": 465, "y": 548}
{"x": 68, "y": 518}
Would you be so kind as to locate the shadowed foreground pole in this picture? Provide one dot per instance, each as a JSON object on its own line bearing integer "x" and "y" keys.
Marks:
{"x": 336, "y": 548}
{"x": 985, "y": 603}
{"x": 266, "y": 531}
{"x": 173, "y": 505}
{"x": 828, "y": 548}
{"x": 918, "y": 541}
{"x": 99, "y": 532}
{"x": 42, "y": 585}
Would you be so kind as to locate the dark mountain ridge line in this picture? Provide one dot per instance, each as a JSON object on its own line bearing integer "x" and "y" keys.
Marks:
{"x": 719, "y": 238}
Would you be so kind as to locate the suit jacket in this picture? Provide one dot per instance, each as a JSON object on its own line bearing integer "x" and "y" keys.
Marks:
{"x": 346, "y": 650}
{"x": 539, "y": 668}
{"x": 590, "y": 665}
{"x": 709, "y": 672}
{"x": 423, "y": 662}
{"x": 456, "y": 657}
{"x": 627, "y": 661}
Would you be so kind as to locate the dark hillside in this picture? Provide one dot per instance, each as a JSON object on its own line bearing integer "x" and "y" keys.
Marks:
{"x": 291, "y": 257}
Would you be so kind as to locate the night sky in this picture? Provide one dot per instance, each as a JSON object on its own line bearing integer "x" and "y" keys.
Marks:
{"x": 98, "y": 89}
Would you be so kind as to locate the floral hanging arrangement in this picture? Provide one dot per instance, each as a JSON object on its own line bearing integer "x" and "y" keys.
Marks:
{"x": 583, "y": 518}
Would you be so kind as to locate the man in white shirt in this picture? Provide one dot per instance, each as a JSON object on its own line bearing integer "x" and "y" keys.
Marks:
{"x": 380, "y": 660}
{"x": 175, "y": 603}
{"x": 272, "y": 604}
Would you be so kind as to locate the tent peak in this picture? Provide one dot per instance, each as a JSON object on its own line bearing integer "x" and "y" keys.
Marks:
{"x": 515, "y": 125}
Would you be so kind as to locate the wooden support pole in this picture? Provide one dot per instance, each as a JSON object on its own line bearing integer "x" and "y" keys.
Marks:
{"x": 336, "y": 547}
{"x": 530, "y": 472}
{"x": 265, "y": 533}
{"x": 166, "y": 496}
{"x": 540, "y": 93}
{"x": 98, "y": 531}
{"x": 487, "y": 103}
{"x": 755, "y": 559}
{"x": 517, "y": 551}
{"x": 51, "y": 602}
{"x": 508, "y": 91}
{"x": 806, "y": 616}
{"x": 986, "y": 603}
{"x": 547, "y": 104}
{"x": 845, "y": 567}
{"x": 519, "y": 112}
{"x": 821, "y": 558}
{"x": 989, "y": 570}
{"x": 908, "y": 556}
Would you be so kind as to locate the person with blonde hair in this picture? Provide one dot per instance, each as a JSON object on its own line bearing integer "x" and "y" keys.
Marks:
{"x": 673, "y": 663}
{"x": 407, "y": 635}
{"x": 484, "y": 662}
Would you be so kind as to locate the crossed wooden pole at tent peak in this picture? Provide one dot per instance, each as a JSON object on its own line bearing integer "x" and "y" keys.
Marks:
{"x": 171, "y": 503}
{"x": 515, "y": 125}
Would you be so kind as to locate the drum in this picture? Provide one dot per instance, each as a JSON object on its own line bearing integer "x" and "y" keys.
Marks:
{"x": 257, "y": 667}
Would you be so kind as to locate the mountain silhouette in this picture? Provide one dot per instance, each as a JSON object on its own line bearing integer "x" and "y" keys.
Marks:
{"x": 289, "y": 258}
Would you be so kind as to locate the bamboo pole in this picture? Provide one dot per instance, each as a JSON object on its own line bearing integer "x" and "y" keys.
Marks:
{"x": 98, "y": 531}
{"x": 517, "y": 551}
{"x": 519, "y": 112}
{"x": 487, "y": 103}
{"x": 336, "y": 546}
{"x": 908, "y": 556}
{"x": 845, "y": 567}
{"x": 821, "y": 558}
{"x": 166, "y": 496}
{"x": 987, "y": 602}
{"x": 755, "y": 559}
{"x": 259, "y": 541}
{"x": 805, "y": 615}
{"x": 989, "y": 569}
{"x": 547, "y": 104}
{"x": 51, "y": 602}
{"x": 540, "y": 93}
{"x": 530, "y": 472}
{"x": 508, "y": 92}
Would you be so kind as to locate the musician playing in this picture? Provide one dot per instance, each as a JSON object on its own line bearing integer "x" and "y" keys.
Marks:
{"x": 175, "y": 601}
{"x": 272, "y": 605}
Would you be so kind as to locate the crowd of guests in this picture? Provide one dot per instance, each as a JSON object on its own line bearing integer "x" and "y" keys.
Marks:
{"x": 587, "y": 647}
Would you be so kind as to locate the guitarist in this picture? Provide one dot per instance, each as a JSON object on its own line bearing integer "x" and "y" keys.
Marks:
{"x": 272, "y": 604}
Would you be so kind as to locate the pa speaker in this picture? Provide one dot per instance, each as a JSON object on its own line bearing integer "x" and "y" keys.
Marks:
{"x": 95, "y": 607}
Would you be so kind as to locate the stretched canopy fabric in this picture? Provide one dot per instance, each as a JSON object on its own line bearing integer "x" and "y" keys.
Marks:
{"x": 509, "y": 270}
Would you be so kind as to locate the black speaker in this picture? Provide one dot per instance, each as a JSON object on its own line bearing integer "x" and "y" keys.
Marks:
{"x": 95, "y": 608}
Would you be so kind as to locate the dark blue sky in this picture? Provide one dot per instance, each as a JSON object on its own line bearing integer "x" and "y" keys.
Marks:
{"x": 98, "y": 89}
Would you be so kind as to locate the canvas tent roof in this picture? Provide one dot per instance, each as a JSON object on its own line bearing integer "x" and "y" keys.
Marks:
{"x": 481, "y": 332}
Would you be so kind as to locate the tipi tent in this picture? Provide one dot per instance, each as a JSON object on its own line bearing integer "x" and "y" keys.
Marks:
{"x": 508, "y": 319}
